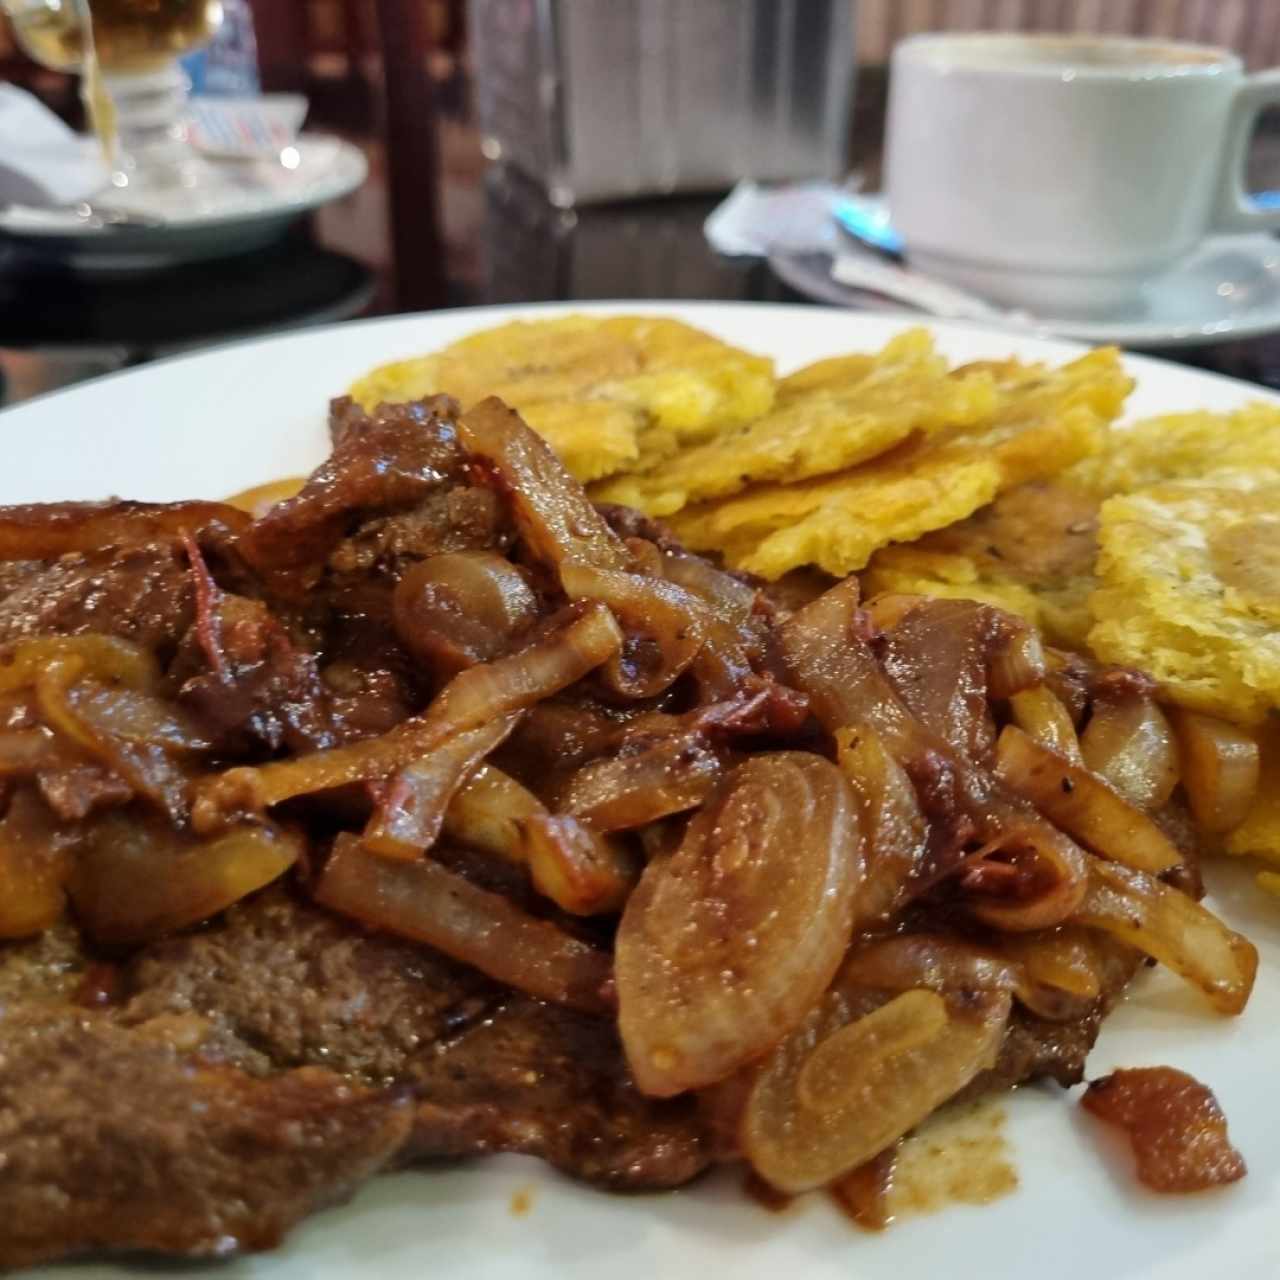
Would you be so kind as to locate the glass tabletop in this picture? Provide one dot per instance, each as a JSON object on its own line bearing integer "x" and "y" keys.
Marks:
{"x": 501, "y": 242}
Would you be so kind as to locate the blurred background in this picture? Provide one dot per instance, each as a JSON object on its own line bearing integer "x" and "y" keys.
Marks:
{"x": 523, "y": 150}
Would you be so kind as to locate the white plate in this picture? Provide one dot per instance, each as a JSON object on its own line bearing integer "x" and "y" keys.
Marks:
{"x": 1227, "y": 290}
{"x": 248, "y": 205}
{"x": 205, "y": 425}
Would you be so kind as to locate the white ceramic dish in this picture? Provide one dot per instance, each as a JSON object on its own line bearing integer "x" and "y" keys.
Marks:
{"x": 205, "y": 425}
{"x": 249, "y": 205}
{"x": 1228, "y": 289}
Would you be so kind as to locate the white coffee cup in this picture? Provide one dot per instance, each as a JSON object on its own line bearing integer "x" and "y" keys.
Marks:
{"x": 1060, "y": 173}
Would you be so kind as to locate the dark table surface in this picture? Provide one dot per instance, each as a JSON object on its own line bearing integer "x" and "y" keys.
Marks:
{"x": 502, "y": 243}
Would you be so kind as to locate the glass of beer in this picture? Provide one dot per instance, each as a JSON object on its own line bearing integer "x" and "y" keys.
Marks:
{"x": 135, "y": 92}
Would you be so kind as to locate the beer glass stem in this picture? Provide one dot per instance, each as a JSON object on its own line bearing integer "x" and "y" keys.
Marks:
{"x": 152, "y": 150}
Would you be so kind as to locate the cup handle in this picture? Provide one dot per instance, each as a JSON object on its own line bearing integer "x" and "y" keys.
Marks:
{"x": 1235, "y": 211}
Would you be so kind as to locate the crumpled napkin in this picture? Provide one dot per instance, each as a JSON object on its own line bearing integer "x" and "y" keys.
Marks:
{"x": 757, "y": 220}
{"x": 42, "y": 161}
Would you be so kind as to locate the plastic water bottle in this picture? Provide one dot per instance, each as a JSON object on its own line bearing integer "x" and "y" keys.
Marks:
{"x": 228, "y": 65}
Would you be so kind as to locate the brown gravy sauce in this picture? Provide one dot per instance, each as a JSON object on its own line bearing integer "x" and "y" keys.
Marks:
{"x": 958, "y": 1156}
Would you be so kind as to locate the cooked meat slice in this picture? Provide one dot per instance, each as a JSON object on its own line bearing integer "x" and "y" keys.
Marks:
{"x": 116, "y": 1138}
{"x": 284, "y": 984}
{"x": 73, "y": 791}
{"x": 549, "y": 1082}
{"x": 46, "y": 530}
{"x": 454, "y": 519}
{"x": 1038, "y": 1048}
{"x": 627, "y": 522}
{"x": 48, "y": 967}
{"x": 345, "y": 413}
{"x": 143, "y": 594}
{"x": 380, "y": 465}
{"x": 249, "y": 682}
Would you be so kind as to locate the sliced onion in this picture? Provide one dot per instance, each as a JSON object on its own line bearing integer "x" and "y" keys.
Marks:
{"x": 136, "y": 878}
{"x": 556, "y": 520}
{"x": 725, "y": 945}
{"x": 936, "y": 657}
{"x": 580, "y": 870}
{"x": 34, "y": 865}
{"x": 1129, "y": 742}
{"x": 895, "y": 832}
{"x": 1065, "y": 958}
{"x": 81, "y": 713}
{"x": 826, "y": 656}
{"x": 428, "y": 903}
{"x": 471, "y": 699}
{"x": 844, "y": 1087}
{"x": 1029, "y": 875}
{"x": 1040, "y": 715}
{"x": 104, "y": 657}
{"x": 1220, "y": 768}
{"x": 454, "y": 610}
{"x": 1082, "y": 804}
{"x": 661, "y": 625}
{"x": 43, "y": 531}
{"x": 674, "y": 774}
{"x": 1167, "y": 925}
{"x": 487, "y": 812}
{"x": 411, "y": 811}
{"x": 24, "y": 751}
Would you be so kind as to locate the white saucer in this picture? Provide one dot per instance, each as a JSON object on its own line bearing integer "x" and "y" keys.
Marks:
{"x": 1227, "y": 290}
{"x": 250, "y": 204}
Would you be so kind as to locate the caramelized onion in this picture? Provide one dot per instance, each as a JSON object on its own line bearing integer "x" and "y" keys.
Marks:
{"x": 1167, "y": 925}
{"x": 24, "y": 751}
{"x": 826, "y": 657}
{"x": 454, "y": 610}
{"x": 411, "y": 811}
{"x": 1220, "y": 768}
{"x": 553, "y": 514}
{"x": 580, "y": 870}
{"x": 471, "y": 699}
{"x": 104, "y": 657}
{"x": 894, "y": 828}
{"x": 726, "y": 944}
{"x": 1129, "y": 742}
{"x": 137, "y": 878}
{"x": 487, "y": 810}
{"x": 1040, "y": 715}
{"x": 851, "y": 1082}
{"x": 34, "y": 864}
{"x": 43, "y": 531}
{"x": 674, "y": 774}
{"x": 1028, "y": 875}
{"x": 86, "y": 714}
{"x": 946, "y": 657}
{"x": 660, "y": 624}
{"x": 428, "y": 903}
{"x": 1065, "y": 959}
{"x": 1082, "y": 804}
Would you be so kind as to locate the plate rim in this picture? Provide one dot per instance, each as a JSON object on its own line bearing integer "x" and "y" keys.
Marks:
{"x": 334, "y": 1245}
{"x": 140, "y": 239}
{"x": 1135, "y": 361}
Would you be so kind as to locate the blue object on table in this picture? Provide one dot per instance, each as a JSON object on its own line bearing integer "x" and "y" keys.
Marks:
{"x": 227, "y": 66}
{"x": 867, "y": 219}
